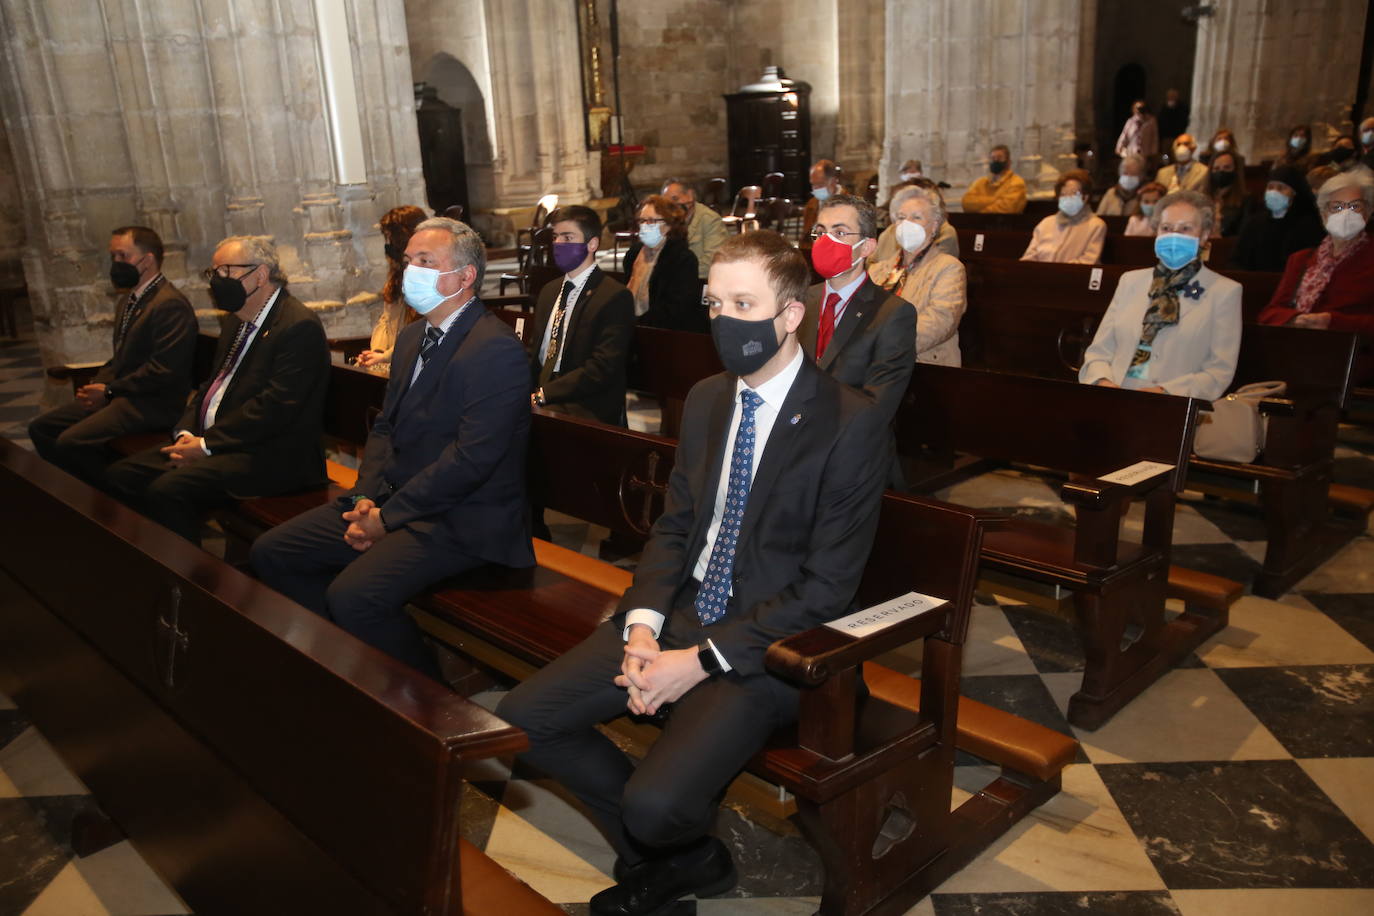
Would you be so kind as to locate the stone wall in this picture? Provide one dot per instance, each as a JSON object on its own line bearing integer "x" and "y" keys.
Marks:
{"x": 11, "y": 217}
{"x": 200, "y": 120}
{"x": 1264, "y": 65}
{"x": 964, "y": 76}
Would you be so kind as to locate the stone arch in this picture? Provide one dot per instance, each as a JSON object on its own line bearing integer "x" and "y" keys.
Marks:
{"x": 456, "y": 86}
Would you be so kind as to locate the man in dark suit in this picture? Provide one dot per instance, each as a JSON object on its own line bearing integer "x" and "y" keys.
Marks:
{"x": 770, "y": 514}
{"x": 253, "y": 428}
{"x": 442, "y": 484}
{"x": 583, "y": 326}
{"x": 143, "y": 386}
{"x": 857, "y": 331}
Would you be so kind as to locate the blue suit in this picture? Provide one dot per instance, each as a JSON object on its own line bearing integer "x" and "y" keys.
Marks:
{"x": 445, "y": 462}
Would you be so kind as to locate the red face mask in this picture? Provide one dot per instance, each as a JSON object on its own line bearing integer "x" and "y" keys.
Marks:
{"x": 832, "y": 258}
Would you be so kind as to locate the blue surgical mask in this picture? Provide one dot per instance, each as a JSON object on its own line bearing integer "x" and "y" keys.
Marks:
{"x": 1176, "y": 249}
{"x": 1071, "y": 204}
{"x": 1277, "y": 202}
{"x": 1367, "y": 137}
{"x": 651, "y": 235}
{"x": 821, "y": 194}
{"x": 1147, "y": 210}
{"x": 1296, "y": 142}
{"x": 420, "y": 286}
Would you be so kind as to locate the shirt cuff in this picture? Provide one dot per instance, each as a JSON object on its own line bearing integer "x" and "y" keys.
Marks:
{"x": 724, "y": 665}
{"x": 650, "y": 618}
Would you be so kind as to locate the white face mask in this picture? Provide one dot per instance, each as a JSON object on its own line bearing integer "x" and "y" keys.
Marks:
{"x": 907, "y": 176}
{"x": 1129, "y": 182}
{"x": 1345, "y": 225}
{"x": 1182, "y": 153}
{"x": 1221, "y": 146}
{"x": 911, "y": 235}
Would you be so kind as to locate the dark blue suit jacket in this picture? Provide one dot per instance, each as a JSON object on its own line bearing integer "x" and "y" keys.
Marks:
{"x": 447, "y": 455}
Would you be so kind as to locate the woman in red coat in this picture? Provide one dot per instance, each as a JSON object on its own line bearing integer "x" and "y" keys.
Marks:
{"x": 1332, "y": 285}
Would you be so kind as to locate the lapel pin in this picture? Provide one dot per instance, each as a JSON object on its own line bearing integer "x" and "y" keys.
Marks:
{"x": 796, "y": 418}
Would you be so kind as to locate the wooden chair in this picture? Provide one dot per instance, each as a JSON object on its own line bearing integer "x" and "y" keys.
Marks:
{"x": 713, "y": 194}
{"x": 772, "y": 184}
{"x": 532, "y": 244}
{"x": 743, "y": 215}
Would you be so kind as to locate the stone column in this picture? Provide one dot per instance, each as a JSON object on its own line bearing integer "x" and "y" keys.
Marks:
{"x": 859, "y": 120}
{"x": 1263, "y": 66}
{"x": 201, "y": 120}
{"x": 963, "y": 77}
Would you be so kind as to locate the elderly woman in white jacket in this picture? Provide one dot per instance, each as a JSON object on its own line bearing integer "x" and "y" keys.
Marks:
{"x": 925, "y": 276}
{"x": 1173, "y": 328}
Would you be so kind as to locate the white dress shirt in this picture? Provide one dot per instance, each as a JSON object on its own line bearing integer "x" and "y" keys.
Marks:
{"x": 773, "y": 392}
{"x": 579, "y": 282}
{"x": 443, "y": 330}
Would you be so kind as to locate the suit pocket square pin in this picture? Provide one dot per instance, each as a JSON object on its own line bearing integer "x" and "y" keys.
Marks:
{"x": 796, "y": 418}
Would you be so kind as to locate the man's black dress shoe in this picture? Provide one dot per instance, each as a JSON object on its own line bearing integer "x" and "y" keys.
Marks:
{"x": 705, "y": 870}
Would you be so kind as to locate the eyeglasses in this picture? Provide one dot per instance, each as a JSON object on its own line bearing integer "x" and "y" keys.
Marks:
{"x": 1336, "y": 206}
{"x": 222, "y": 271}
{"x": 838, "y": 235}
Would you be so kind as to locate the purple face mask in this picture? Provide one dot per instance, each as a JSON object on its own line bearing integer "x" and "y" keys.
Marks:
{"x": 568, "y": 255}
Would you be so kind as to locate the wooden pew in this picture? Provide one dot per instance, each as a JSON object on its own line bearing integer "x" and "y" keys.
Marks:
{"x": 844, "y": 768}
{"x": 260, "y": 759}
{"x": 1118, "y": 587}
{"x": 1044, "y": 333}
{"x": 1127, "y": 250}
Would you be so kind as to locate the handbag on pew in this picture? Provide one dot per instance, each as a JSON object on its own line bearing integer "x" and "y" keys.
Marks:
{"x": 1234, "y": 429}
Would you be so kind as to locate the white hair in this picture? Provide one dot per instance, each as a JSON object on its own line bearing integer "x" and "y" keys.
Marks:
{"x": 913, "y": 192}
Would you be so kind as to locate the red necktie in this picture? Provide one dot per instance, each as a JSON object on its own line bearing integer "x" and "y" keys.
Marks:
{"x": 827, "y": 328}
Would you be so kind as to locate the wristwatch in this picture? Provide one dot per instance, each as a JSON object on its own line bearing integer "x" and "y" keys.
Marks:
{"x": 539, "y": 397}
{"x": 707, "y": 657}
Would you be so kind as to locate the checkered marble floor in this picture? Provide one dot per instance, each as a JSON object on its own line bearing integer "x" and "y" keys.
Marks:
{"x": 1237, "y": 784}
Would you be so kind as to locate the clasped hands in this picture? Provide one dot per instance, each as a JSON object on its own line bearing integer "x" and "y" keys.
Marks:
{"x": 653, "y": 676}
{"x": 364, "y": 525}
{"x": 186, "y": 449}
{"x": 92, "y": 396}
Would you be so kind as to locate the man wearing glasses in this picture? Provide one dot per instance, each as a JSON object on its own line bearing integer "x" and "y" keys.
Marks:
{"x": 858, "y": 332}
{"x": 253, "y": 427}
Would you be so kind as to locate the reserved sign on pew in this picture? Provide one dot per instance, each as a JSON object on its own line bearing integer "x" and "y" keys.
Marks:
{"x": 880, "y": 616}
{"x": 1135, "y": 473}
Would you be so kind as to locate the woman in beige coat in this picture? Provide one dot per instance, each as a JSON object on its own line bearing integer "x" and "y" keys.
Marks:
{"x": 920, "y": 273}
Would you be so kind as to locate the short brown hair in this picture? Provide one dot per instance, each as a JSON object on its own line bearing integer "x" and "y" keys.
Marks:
{"x": 588, "y": 223}
{"x": 786, "y": 267}
{"x": 1085, "y": 182}
{"x": 675, "y": 215}
{"x": 144, "y": 239}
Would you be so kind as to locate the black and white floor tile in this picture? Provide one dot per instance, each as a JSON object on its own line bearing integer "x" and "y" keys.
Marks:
{"x": 1238, "y": 784}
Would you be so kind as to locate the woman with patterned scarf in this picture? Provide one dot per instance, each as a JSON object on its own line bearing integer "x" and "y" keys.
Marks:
{"x": 1332, "y": 285}
{"x": 1174, "y": 328}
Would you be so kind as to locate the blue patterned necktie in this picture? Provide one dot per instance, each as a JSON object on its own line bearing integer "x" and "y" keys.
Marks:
{"x": 715, "y": 587}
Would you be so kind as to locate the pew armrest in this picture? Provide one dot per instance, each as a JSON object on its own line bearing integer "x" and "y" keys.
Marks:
{"x": 1100, "y": 494}
{"x": 77, "y": 373}
{"x": 814, "y": 656}
{"x": 1278, "y": 407}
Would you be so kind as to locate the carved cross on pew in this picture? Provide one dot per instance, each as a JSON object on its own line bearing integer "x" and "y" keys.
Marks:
{"x": 170, "y": 639}
{"x": 653, "y": 492}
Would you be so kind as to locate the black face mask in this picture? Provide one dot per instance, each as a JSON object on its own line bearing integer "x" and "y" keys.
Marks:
{"x": 744, "y": 346}
{"x": 123, "y": 275}
{"x": 1223, "y": 179}
{"x": 1342, "y": 154}
{"x": 997, "y": 166}
{"x": 228, "y": 293}
{"x": 396, "y": 254}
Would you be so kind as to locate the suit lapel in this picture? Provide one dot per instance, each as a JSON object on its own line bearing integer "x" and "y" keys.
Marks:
{"x": 717, "y": 431}
{"x": 433, "y": 369}
{"x": 580, "y": 308}
{"x": 787, "y": 432}
{"x": 853, "y": 318}
{"x": 255, "y": 346}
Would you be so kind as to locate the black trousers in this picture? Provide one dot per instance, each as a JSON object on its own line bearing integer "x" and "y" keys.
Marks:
{"x": 177, "y": 497}
{"x": 670, "y": 798}
{"x": 364, "y": 592}
{"x": 77, "y": 440}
